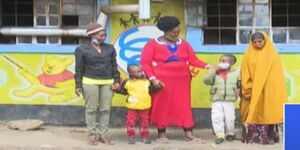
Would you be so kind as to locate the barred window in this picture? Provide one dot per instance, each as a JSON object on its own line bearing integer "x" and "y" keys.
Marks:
{"x": 46, "y": 14}
{"x": 216, "y": 17}
{"x": 15, "y": 13}
{"x": 18, "y": 13}
{"x": 233, "y": 21}
{"x": 285, "y": 21}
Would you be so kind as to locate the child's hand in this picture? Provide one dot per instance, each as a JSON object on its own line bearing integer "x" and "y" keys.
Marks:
{"x": 161, "y": 85}
{"x": 157, "y": 84}
{"x": 238, "y": 92}
{"x": 78, "y": 92}
{"x": 247, "y": 97}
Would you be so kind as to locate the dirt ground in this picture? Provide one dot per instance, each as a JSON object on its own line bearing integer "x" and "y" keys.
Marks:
{"x": 74, "y": 138}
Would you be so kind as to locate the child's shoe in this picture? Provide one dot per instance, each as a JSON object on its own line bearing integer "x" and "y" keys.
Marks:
{"x": 230, "y": 138}
{"x": 219, "y": 140}
{"x": 146, "y": 141}
{"x": 131, "y": 140}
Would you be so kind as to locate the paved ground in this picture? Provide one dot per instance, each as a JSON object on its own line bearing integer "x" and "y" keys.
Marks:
{"x": 74, "y": 138}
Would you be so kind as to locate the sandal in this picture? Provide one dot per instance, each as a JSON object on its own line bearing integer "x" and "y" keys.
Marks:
{"x": 195, "y": 140}
{"x": 92, "y": 141}
{"x": 162, "y": 140}
{"x": 105, "y": 141}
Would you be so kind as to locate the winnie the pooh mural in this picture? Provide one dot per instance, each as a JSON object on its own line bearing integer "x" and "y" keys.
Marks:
{"x": 56, "y": 80}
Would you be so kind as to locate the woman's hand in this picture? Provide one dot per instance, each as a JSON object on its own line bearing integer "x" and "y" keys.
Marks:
{"x": 78, "y": 92}
{"x": 247, "y": 94}
{"x": 116, "y": 86}
{"x": 214, "y": 68}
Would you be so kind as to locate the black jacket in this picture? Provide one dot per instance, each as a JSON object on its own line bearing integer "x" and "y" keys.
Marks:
{"x": 91, "y": 64}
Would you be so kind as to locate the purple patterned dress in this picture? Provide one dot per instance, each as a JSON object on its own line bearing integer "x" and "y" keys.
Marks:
{"x": 262, "y": 134}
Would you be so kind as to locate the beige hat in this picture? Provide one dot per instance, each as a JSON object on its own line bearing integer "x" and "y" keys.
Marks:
{"x": 93, "y": 28}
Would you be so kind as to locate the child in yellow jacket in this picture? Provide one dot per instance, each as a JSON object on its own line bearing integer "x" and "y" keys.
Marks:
{"x": 138, "y": 102}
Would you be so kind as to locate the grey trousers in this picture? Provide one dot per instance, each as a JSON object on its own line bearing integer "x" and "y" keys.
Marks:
{"x": 98, "y": 100}
{"x": 223, "y": 116}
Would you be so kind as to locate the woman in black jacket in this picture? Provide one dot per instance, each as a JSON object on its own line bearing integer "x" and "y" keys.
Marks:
{"x": 96, "y": 76}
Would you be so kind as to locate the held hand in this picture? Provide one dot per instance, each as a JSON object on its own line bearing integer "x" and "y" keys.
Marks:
{"x": 161, "y": 84}
{"x": 157, "y": 84}
{"x": 115, "y": 87}
{"x": 247, "y": 97}
{"x": 238, "y": 92}
{"x": 214, "y": 68}
{"x": 78, "y": 92}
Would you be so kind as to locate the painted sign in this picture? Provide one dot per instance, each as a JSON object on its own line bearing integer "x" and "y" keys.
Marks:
{"x": 131, "y": 42}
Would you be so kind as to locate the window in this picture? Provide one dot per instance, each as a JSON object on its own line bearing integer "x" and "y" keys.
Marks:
{"x": 69, "y": 20}
{"x": 7, "y": 39}
{"x": 46, "y": 14}
{"x": 221, "y": 22}
{"x": 24, "y": 39}
{"x": 195, "y": 13}
{"x": 69, "y": 40}
{"x": 77, "y": 12}
{"x": 16, "y": 13}
{"x": 216, "y": 17}
{"x": 233, "y": 21}
{"x": 253, "y": 16}
{"x": 285, "y": 21}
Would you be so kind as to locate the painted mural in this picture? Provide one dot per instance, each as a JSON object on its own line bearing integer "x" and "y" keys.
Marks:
{"x": 130, "y": 43}
{"x": 129, "y": 33}
{"x": 48, "y": 79}
{"x": 37, "y": 79}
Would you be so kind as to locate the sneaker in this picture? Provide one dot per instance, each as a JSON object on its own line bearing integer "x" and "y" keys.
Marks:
{"x": 131, "y": 141}
{"x": 219, "y": 140}
{"x": 146, "y": 141}
{"x": 230, "y": 138}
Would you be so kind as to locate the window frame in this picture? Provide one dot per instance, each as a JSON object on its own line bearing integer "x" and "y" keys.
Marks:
{"x": 287, "y": 28}
{"x": 254, "y": 26}
{"x": 16, "y": 15}
{"x": 278, "y": 34}
{"x": 46, "y": 13}
{"x": 218, "y": 28}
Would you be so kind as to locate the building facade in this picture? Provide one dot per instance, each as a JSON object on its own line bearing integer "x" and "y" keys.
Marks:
{"x": 36, "y": 34}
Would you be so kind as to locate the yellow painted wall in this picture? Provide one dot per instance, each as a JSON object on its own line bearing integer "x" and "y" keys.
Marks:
{"x": 16, "y": 86}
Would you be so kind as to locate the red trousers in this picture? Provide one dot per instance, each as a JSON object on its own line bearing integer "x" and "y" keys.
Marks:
{"x": 131, "y": 117}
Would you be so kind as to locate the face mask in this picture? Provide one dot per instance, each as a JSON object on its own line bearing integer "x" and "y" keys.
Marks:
{"x": 224, "y": 66}
{"x": 95, "y": 41}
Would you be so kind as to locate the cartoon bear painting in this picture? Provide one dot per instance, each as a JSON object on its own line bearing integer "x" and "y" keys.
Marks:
{"x": 56, "y": 81}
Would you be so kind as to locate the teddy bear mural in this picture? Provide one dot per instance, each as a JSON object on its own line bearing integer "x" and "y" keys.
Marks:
{"x": 56, "y": 81}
